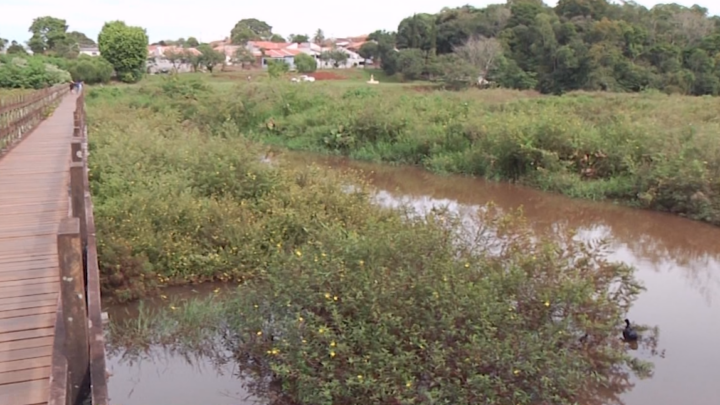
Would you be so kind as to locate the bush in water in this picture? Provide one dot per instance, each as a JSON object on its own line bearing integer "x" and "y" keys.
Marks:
{"x": 365, "y": 304}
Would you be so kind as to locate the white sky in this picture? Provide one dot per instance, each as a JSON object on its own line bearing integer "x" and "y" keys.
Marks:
{"x": 210, "y": 20}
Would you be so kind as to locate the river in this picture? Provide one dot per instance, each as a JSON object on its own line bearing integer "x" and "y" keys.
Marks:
{"x": 678, "y": 261}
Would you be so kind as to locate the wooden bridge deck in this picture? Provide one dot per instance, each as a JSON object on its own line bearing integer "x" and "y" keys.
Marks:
{"x": 34, "y": 178}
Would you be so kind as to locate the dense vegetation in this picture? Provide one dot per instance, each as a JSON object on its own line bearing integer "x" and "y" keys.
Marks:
{"x": 26, "y": 72}
{"x": 579, "y": 44}
{"x": 649, "y": 150}
{"x": 344, "y": 301}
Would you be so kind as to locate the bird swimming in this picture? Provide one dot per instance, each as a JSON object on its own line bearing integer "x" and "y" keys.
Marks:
{"x": 629, "y": 333}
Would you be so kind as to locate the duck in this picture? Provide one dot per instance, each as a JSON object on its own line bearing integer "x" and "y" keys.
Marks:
{"x": 629, "y": 333}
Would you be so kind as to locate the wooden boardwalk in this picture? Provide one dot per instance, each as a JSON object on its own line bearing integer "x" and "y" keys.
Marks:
{"x": 34, "y": 179}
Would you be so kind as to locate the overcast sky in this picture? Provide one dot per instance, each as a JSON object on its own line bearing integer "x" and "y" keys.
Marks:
{"x": 210, "y": 20}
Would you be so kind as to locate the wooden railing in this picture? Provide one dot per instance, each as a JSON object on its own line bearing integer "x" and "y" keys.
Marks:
{"x": 19, "y": 115}
{"x": 79, "y": 358}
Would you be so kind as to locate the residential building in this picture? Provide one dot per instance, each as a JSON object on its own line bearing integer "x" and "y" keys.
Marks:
{"x": 158, "y": 61}
{"x": 89, "y": 51}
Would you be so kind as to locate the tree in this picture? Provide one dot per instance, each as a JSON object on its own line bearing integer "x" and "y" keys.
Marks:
{"x": 481, "y": 53}
{"x": 16, "y": 49}
{"x": 250, "y": 29}
{"x": 418, "y": 32}
{"x": 337, "y": 56}
{"x": 298, "y": 39}
{"x": 177, "y": 57}
{"x": 47, "y": 34}
{"x": 368, "y": 50}
{"x": 305, "y": 63}
{"x": 244, "y": 57}
{"x": 81, "y": 39}
{"x": 3, "y": 43}
{"x": 411, "y": 63}
{"x": 319, "y": 37}
{"x": 192, "y": 42}
{"x": 210, "y": 57}
{"x": 125, "y": 47}
{"x": 277, "y": 38}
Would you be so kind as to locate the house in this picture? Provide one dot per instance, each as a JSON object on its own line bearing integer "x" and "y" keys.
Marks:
{"x": 158, "y": 60}
{"x": 266, "y": 51}
{"x": 89, "y": 51}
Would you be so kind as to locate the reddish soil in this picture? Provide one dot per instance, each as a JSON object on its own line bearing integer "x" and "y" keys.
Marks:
{"x": 327, "y": 76}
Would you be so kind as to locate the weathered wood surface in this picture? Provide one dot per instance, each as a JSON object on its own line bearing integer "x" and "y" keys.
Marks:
{"x": 34, "y": 180}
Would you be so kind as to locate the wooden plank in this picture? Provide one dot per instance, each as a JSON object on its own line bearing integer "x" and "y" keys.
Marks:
{"x": 29, "y": 298}
{"x": 49, "y": 278}
{"x": 29, "y": 265}
{"x": 17, "y": 313}
{"x": 26, "y": 364}
{"x": 26, "y": 334}
{"x": 59, "y": 378}
{"x": 25, "y": 290}
{"x": 40, "y": 373}
{"x": 28, "y": 343}
{"x": 24, "y": 354}
{"x": 19, "y": 276}
{"x": 27, "y": 304}
{"x": 27, "y": 323}
{"x": 25, "y": 393}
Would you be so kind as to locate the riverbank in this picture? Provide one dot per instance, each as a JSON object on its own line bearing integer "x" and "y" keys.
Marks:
{"x": 650, "y": 151}
{"x": 332, "y": 286}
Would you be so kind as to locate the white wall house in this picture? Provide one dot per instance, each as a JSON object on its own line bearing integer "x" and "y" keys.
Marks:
{"x": 89, "y": 51}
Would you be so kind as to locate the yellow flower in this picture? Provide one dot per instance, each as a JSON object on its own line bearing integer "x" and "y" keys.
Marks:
{"x": 547, "y": 303}
{"x": 300, "y": 319}
{"x": 163, "y": 296}
{"x": 259, "y": 333}
{"x": 360, "y": 377}
{"x": 467, "y": 265}
{"x": 332, "y": 344}
{"x": 274, "y": 351}
{"x": 172, "y": 307}
{"x": 408, "y": 384}
{"x": 323, "y": 254}
{"x": 332, "y": 353}
{"x": 321, "y": 331}
{"x": 298, "y": 253}
{"x": 304, "y": 341}
{"x": 516, "y": 372}
{"x": 327, "y": 295}
{"x": 362, "y": 262}
{"x": 217, "y": 290}
{"x": 335, "y": 298}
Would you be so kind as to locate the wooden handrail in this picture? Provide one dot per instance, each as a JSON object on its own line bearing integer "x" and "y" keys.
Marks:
{"x": 20, "y": 115}
{"x": 80, "y": 308}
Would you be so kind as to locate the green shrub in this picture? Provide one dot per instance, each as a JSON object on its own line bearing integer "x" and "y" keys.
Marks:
{"x": 305, "y": 63}
{"x": 90, "y": 70}
{"x": 277, "y": 68}
{"x": 31, "y": 73}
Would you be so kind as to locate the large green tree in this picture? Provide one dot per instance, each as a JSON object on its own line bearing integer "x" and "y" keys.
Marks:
{"x": 48, "y": 34}
{"x": 250, "y": 29}
{"x": 578, "y": 44}
{"x": 126, "y": 48}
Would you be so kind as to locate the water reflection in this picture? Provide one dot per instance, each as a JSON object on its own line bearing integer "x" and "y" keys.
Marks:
{"x": 678, "y": 261}
{"x": 172, "y": 374}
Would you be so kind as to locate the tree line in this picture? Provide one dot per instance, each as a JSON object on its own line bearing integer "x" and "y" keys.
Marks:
{"x": 577, "y": 45}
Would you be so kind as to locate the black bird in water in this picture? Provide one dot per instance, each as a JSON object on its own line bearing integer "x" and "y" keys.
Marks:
{"x": 629, "y": 334}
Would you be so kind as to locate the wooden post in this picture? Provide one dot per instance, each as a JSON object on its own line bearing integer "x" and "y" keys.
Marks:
{"x": 76, "y": 150}
{"x": 77, "y": 196}
{"x": 74, "y": 310}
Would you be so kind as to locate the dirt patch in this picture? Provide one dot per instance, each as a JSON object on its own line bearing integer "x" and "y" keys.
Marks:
{"x": 327, "y": 76}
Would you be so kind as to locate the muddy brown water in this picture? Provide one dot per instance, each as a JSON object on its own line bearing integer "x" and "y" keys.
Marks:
{"x": 677, "y": 259}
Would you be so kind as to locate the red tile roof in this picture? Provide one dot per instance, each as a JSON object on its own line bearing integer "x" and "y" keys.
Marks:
{"x": 269, "y": 45}
{"x": 281, "y": 53}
